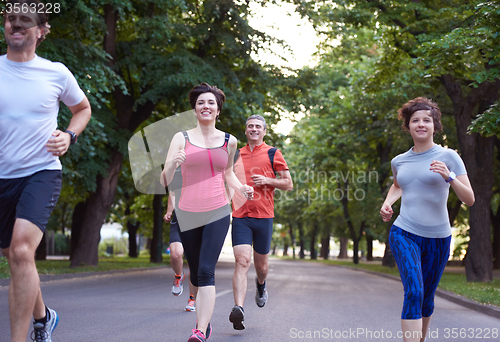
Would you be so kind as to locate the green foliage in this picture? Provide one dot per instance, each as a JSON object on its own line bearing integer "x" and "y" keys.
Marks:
{"x": 418, "y": 43}
{"x": 488, "y": 123}
{"x": 161, "y": 49}
{"x": 377, "y": 56}
{"x": 4, "y": 268}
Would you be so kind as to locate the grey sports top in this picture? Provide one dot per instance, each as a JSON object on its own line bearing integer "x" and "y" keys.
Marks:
{"x": 425, "y": 193}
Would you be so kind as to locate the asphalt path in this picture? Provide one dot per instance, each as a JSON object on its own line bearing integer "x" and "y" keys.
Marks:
{"x": 307, "y": 302}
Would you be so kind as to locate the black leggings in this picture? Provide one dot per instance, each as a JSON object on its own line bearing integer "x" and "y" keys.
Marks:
{"x": 202, "y": 247}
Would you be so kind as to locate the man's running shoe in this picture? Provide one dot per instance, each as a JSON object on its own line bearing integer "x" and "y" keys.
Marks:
{"x": 197, "y": 336}
{"x": 261, "y": 294}
{"x": 237, "y": 317}
{"x": 43, "y": 332}
{"x": 191, "y": 306}
{"x": 177, "y": 287}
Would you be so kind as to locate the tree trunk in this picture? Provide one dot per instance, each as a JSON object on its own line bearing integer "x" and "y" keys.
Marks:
{"x": 325, "y": 247}
{"x": 369, "y": 247}
{"x": 477, "y": 153}
{"x": 495, "y": 220}
{"x": 355, "y": 251}
{"x": 302, "y": 242}
{"x": 479, "y": 258}
{"x": 383, "y": 152}
{"x": 344, "y": 242}
{"x": 96, "y": 207}
{"x": 41, "y": 251}
{"x": 132, "y": 228}
{"x": 292, "y": 238}
{"x": 76, "y": 227}
{"x": 313, "y": 241}
{"x": 453, "y": 211}
{"x": 285, "y": 249}
{"x": 157, "y": 242}
{"x": 95, "y": 210}
{"x": 347, "y": 217}
{"x": 133, "y": 251}
{"x": 388, "y": 259}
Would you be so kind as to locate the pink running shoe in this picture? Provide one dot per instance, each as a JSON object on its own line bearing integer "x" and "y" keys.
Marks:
{"x": 209, "y": 330}
{"x": 197, "y": 336}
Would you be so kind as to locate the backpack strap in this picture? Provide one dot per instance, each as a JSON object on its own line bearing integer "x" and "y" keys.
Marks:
{"x": 236, "y": 156}
{"x": 271, "y": 152}
{"x": 226, "y": 139}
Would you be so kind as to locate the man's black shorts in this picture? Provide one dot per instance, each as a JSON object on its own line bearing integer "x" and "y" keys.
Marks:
{"x": 31, "y": 198}
{"x": 246, "y": 230}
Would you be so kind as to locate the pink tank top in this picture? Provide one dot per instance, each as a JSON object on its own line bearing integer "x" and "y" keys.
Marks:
{"x": 203, "y": 177}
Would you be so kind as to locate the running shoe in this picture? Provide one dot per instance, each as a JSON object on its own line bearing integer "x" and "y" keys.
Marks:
{"x": 209, "y": 330}
{"x": 261, "y": 294}
{"x": 191, "y": 306}
{"x": 197, "y": 336}
{"x": 43, "y": 332}
{"x": 177, "y": 287}
{"x": 237, "y": 317}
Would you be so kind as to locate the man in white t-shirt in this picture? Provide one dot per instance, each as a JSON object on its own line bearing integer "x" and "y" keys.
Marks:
{"x": 30, "y": 146}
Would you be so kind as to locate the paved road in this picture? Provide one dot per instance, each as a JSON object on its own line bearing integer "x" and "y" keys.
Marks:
{"x": 308, "y": 302}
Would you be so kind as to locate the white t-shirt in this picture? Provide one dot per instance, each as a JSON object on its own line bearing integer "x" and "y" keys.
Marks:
{"x": 29, "y": 104}
{"x": 424, "y": 210}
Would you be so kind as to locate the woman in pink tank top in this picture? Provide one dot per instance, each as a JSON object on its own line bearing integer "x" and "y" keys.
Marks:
{"x": 205, "y": 155}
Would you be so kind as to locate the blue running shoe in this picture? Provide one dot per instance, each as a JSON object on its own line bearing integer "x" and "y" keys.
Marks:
{"x": 43, "y": 332}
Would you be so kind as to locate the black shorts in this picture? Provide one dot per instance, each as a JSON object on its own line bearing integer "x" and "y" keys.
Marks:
{"x": 174, "y": 229}
{"x": 250, "y": 229}
{"x": 31, "y": 198}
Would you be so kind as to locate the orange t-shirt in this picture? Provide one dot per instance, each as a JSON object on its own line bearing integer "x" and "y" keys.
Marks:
{"x": 256, "y": 162}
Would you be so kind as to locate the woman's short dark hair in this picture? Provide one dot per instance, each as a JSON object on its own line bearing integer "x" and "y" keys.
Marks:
{"x": 206, "y": 88}
{"x": 420, "y": 103}
{"x": 42, "y": 17}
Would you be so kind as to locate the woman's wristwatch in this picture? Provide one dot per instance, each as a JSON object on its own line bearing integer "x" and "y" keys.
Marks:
{"x": 451, "y": 177}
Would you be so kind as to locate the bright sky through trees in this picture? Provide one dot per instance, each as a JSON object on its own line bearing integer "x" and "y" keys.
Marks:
{"x": 280, "y": 21}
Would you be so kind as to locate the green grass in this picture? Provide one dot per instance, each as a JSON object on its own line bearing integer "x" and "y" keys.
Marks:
{"x": 105, "y": 264}
{"x": 4, "y": 268}
{"x": 484, "y": 293}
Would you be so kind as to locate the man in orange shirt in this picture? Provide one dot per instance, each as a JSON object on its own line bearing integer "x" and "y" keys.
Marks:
{"x": 253, "y": 220}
